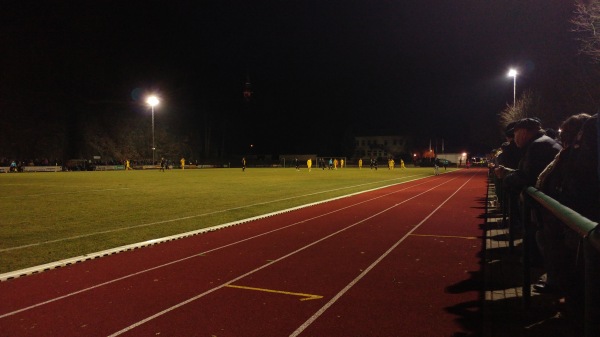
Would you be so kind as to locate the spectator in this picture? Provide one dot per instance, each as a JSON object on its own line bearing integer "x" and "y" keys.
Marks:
{"x": 509, "y": 157}
{"x": 510, "y": 154}
{"x": 538, "y": 150}
{"x": 580, "y": 190}
{"x": 551, "y": 232}
{"x": 551, "y": 178}
{"x": 552, "y": 133}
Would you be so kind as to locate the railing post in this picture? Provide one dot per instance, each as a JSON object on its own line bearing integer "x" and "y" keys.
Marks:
{"x": 512, "y": 218}
{"x": 528, "y": 242}
{"x": 592, "y": 289}
{"x": 504, "y": 209}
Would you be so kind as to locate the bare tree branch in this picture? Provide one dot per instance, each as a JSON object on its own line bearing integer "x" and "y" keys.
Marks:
{"x": 586, "y": 22}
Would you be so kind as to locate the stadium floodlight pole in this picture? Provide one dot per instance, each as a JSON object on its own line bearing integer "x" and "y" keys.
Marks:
{"x": 152, "y": 101}
{"x": 513, "y": 73}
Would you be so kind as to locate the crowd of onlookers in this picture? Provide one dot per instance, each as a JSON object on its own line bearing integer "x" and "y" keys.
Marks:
{"x": 69, "y": 165}
{"x": 18, "y": 165}
{"x": 29, "y": 162}
{"x": 564, "y": 166}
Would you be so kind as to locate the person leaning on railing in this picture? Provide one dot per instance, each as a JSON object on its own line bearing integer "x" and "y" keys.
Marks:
{"x": 580, "y": 191}
{"x": 538, "y": 150}
{"x": 552, "y": 235}
{"x": 508, "y": 157}
{"x": 511, "y": 154}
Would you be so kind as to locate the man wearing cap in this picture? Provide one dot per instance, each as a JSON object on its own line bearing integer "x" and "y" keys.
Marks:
{"x": 510, "y": 154}
{"x": 508, "y": 157}
{"x": 538, "y": 150}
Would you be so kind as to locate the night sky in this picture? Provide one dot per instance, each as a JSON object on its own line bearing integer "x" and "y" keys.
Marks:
{"x": 319, "y": 70}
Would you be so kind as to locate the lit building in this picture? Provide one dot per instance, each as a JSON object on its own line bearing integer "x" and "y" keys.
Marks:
{"x": 380, "y": 146}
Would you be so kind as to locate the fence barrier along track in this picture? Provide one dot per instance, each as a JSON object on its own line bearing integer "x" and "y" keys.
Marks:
{"x": 587, "y": 229}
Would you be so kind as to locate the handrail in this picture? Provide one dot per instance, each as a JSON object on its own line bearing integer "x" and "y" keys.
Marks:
{"x": 569, "y": 217}
{"x": 591, "y": 252}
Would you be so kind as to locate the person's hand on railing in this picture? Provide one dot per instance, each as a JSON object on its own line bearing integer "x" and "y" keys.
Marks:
{"x": 502, "y": 171}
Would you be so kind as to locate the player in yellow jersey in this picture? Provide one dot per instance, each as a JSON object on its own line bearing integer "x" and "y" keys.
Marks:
{"x": 309, "y": 164}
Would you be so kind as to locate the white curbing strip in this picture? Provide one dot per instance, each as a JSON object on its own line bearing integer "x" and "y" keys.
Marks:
{"x": 73, "y": 260}
{"x": 77, "y": 259}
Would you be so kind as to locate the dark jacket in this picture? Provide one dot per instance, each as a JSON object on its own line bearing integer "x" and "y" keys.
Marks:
{"x": 510, "y": 155}
{"x": 580, "y": 187}
{"x": 537, "y": 154}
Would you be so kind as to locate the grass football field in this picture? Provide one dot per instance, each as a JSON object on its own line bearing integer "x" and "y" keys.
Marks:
{"x": 47, "y": 217}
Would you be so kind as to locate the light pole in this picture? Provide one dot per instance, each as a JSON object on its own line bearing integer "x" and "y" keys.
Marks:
{"x": 513, "y": 73}
{"x": 152, "y": 101}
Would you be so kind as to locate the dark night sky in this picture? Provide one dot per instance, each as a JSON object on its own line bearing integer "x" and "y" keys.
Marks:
{"x": 319, "y": 69}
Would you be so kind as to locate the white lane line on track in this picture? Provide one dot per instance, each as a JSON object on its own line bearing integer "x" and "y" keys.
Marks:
{"x": 314, "y": 317}
{"x": 186, "y": 217}
{"x": 158, "y": 314}
{"x": 197, "y": 255}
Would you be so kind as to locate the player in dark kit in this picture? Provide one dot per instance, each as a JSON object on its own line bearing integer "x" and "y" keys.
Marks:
{"x": 374, "y": 164}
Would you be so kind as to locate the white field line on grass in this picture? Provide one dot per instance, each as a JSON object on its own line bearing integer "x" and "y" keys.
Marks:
{"x": 61, "y": 193}
{"x": 204, "y": 252}
{"x": 191, "y": 216}
{"x": 192, "y": 299}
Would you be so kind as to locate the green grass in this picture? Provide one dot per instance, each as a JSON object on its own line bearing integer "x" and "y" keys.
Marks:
{"x": 47, "y": 217}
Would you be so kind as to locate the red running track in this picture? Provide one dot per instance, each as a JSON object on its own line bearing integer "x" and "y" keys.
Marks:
{"x": 398, "y": 261}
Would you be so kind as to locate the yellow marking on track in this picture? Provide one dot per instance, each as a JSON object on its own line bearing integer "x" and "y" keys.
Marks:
{"x": 306, "y": 297}
{"x": 448, "y": 236}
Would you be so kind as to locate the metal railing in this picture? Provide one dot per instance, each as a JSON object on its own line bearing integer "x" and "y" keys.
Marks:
{"x": 589, "y": 232}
